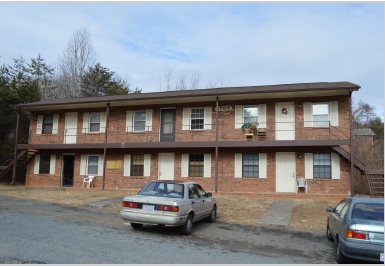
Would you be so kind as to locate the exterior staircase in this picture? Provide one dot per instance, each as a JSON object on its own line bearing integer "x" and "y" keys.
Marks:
{"x": 6, "y": 164}
{"x": 374, "y": 177}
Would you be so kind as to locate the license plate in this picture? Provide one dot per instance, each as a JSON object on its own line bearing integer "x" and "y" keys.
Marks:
{"x": 147, "y": 207}
{"x": 382, "y": 256}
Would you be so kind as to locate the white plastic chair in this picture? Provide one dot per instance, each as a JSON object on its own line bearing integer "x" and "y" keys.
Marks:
{"x": 89, "y": 181}
{"x": 302, "y": 182}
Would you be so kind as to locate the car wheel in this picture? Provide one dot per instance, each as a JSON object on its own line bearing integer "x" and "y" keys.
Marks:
{"x": 340, "y": 257}
{"x": 328, "y": 233}
{"x": 186, "y": 228}
{"x": 213, "y": 215}
{"x": 136, "y": 225}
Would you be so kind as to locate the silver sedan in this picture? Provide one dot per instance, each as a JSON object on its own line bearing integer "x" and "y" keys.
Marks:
{"x": 356, "y": 225}
{"x": 169, "y": 203}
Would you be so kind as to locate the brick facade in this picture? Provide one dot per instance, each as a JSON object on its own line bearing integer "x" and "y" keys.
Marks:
{"x": 226, "y": 183}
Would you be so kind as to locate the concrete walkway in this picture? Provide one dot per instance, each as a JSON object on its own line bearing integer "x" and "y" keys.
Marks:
{"x": 279, "y": 213}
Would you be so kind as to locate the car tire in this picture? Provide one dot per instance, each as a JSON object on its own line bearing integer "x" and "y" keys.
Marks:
{"x": 136, "y": 225}
{"x": 328, "y": 233}
{"x": 340, "y": 258}
{"x": 213, "y": 215}
{"x": 186, "y": 228}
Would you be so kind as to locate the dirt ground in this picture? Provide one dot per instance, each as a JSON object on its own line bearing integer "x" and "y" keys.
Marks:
{"x": 307, "y": 214}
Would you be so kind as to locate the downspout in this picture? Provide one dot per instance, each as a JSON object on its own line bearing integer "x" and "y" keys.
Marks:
{"x": 351, "y": 147}
{"x": 105, "y": 142}
{"x": 216, "y": 147}
{"x": 16, "y": 143}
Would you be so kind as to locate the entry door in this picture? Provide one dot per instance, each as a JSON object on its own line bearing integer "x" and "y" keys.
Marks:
{"x": 284, "y": 121}
{"x": 167, "y": 125}
{"x": 68, "y": 170}
{"x": 285, "y": 172}
{"x": 70, "y": 129}
{"x": 166, "y": 166}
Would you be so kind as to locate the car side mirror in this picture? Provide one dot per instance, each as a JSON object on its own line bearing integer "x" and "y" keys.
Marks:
{"x": 209, "y": 195}
{"x": 329, "y": 209}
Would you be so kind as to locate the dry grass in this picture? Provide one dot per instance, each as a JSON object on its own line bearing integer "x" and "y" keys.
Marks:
{"x": 306, "y": 214}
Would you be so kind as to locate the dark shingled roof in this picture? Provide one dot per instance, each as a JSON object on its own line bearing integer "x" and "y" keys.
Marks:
{"x": 226, "y": 91}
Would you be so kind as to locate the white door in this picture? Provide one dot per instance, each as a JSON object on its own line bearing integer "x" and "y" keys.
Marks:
{"x": 166, "y": 166}
{"x": 285, "y": 172}
{"x": 70, "y": 128}
{"x": 284, "y": 121}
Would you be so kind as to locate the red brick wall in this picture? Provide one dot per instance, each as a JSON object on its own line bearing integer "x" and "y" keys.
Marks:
{"x": 226, "y": 181}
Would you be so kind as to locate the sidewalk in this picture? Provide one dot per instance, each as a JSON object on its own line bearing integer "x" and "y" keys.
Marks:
{"x": 279, "y": 213}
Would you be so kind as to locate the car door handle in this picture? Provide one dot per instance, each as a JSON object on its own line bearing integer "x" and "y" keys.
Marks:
{"x": 192, "y": 202}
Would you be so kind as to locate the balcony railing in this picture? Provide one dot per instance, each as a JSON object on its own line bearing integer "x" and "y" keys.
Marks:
{"x": 162, "y": 133}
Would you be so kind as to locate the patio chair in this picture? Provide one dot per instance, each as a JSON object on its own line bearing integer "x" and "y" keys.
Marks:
{"x": 301, "y": 182}
{"x": 88, "y": 181}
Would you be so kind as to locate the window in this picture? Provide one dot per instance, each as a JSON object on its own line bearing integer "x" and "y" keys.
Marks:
{"x": 45, "y": 161}
{"x": 95, "y": 122}
{"x": 250, "y": 165}
{"x": 197, "y": 118}
{"x": 196, "y": 165}
{"x": 137, "y": 165}
{"x": 192, "y": 192}
{"x": 321, "y": 115}
{"x": 322, "y": 166}
{"x": 139, "y": 120}
{"x": 250, "y": 114}
{"x": 92, "y": 165}
{"x": 201, "y": 191}
{"x": 47, "y": 124}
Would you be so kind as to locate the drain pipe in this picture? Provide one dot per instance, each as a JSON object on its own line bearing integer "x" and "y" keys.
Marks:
{"x": 105, "y": 143}
{"x": 216, "y": 147}
{"x": 351, "y": 147}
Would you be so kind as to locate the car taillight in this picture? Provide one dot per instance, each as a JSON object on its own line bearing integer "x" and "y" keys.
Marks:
{"x": 130, "y": 204}
{"x": 168, "y": 208}
{"x": 356, "y": 234}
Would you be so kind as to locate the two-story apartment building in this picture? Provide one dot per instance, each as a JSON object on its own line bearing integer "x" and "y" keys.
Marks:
{"x": 303, "y": 130}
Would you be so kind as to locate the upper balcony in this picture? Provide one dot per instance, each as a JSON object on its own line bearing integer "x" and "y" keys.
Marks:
{"x": 225, "y": 135}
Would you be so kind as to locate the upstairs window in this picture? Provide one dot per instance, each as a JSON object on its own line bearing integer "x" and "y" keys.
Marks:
{"x": 250, "y": 114}
{"x": 139, "y": 120}
{"x": 137, "y": 165}
{"x": 196, "y": 165}
{"x": 321, "y": 115}
{"x": 322, "y": 166}
{"x": 47, "y": 124}
{"x": 197, "y": 118}
{"x": 95, "y": 122}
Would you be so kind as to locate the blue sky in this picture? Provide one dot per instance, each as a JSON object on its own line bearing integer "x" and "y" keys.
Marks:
{"x": 239, "y": 44}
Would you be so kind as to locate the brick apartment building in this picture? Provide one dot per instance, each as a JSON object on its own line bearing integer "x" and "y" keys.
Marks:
{"x": 303, "y": 130}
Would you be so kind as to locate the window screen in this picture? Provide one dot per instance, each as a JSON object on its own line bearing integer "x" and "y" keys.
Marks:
{"x": 322, "y": 166}
{"x": 137, "y": 165}
{"x": 197, "y": 118}
{"x": 45, "y": 161}
{"x": 321, "y": 115}
{"x": 94, "y": 122}
{"x": 196, "y": 165}
{"x": 92, "y": 165}
{"x": 47, "y": 124}
{"x": 250, "y": 165}
{"x": 140, "y": 120}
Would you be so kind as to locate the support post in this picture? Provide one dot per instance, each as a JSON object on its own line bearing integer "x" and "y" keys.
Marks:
{"x": 216, "y": 146}
{"x": 351, "y": 147}
{"x": 105, "y": 143}
{"x": 14, "y": 172}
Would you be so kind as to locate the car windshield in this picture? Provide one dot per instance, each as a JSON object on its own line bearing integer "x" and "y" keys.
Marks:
{"x": 368, "y": 211}
{"x": 163, "y": 189}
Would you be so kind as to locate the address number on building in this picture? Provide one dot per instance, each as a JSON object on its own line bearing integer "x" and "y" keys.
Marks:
{"x": 225, "y": 108}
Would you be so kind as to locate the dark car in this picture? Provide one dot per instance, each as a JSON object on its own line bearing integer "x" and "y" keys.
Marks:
{"x": 356, "y": 225}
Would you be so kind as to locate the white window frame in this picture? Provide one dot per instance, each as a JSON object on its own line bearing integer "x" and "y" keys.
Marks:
{"x": 333, "y": 115}
{"x": 52, "y": 164}
{"x": 130, "y": 121}
{"x": 206, "y": 165}
{"x": 335, "y": 167}
{"x": 207, "y": 118}
{"x": 250, "y": 106}
{"x": 238, "y": 166}
{"x": 127, "y": 165}
{"x": 39, "y": 124}
{"x": 87, "y": 122}
{"x": 239, "y": 115}
{"x": 84, "y": 164}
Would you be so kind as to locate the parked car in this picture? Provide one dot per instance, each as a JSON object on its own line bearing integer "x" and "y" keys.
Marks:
{"x": 169, "y": 203}
{"x": 356, "y": 225}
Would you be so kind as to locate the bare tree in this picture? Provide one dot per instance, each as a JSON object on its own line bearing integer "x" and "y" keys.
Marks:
{"x": 217, "y": 84}
{"x": 195, "y": 79}
{"x": 77, "y": 56}
{"x": 180, "y": 83}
